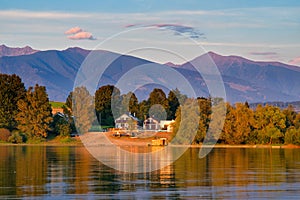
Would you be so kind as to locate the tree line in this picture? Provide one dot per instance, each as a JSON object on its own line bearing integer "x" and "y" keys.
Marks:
{"x": 262, "y": 125}
{"x": 25, "y": 115}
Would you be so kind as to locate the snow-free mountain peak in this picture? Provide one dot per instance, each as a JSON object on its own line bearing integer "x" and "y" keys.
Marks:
{"x": 16, "y": 51}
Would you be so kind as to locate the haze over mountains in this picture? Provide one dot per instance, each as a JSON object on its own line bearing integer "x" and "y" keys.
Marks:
{"x": 244, "y": 80}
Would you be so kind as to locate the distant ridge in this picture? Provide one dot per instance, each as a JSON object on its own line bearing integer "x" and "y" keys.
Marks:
{"x": 244, "y": 80}
{"x": 11, "y": 51}
{"x": 172, "y": 64}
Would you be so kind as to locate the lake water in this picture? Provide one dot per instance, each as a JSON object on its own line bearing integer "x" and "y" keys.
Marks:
{"x": 35, "y": 172}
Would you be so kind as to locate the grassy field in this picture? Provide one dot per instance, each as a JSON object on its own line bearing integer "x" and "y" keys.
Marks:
{"x": 55, "y": 104}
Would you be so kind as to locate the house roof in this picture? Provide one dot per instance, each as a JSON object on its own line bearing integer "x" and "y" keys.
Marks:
{"x": 128, "y": 115}
{"x": 153, "y": 119}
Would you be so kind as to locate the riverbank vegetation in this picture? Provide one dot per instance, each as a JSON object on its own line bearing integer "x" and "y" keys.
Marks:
{"x": 25, "y": 115}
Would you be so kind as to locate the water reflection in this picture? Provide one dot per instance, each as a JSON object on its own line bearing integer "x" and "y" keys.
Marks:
{"x": 35, "y": 171}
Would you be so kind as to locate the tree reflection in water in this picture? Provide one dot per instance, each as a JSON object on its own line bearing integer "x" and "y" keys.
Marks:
{"x": 39, "y": 171}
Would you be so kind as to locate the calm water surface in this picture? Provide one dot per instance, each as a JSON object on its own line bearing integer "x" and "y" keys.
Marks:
{"x": 35, "y": 172}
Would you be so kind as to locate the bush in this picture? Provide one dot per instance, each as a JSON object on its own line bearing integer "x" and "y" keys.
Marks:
{"x": 292, "y": 136}
{"x": 64, "y": 129}
{"x": 61, "y": 126}
{"x": 66, "y": 140}
{"x": 35, "y": 140}
{"x": 17, "y": 137}
{"x": 4, "y": 134}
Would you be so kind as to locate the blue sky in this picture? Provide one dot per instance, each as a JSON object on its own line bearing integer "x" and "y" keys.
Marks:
{"x": 259, "y": 30}
{"x": 130, "y": 6}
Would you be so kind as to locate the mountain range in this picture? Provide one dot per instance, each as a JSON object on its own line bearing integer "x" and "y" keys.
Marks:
{"x": 9, "y": 51}
{"x": 244, "y": 80}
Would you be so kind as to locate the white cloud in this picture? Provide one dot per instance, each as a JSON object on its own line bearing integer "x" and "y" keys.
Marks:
{"x": 77, "y": 33}
{"x": 73, "y": 30}
{"x": 40, "y": 15}
{"x": 81, "y": 36}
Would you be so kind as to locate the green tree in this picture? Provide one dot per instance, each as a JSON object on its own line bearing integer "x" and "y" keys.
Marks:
{"x": 290, "y": 115}
{"x": 204, "y": 120}
{"x": 68, "y": 112}
{"x": 130, "y": 104}
{"x": 69, "y": 101}
{"x": 34, "y": 115}
{"x": 83, "y": 109}
{"x": 144, "y": 107}
{"x": 216, "y": 120}
{"x": 17, "y": 137}
{"x": 61, "y": 126}
{"x": 296, "y": 121}
{"x": 158, "y": 97}
{"x": 107, "y": 104}
{"x": 269, "y": 124}
{"x": 173, "y": 103}
{"x": 11, "y": 91}
{"x": 292, "y": 136}
{"x": 185, "y": 127}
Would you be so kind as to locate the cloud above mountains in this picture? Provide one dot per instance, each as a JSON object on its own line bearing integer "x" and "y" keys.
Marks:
{"x": 77, "y": 33}
{"x": 178, "y": 29}
{"x": 73, "y": 30}
{"x": 295, "y": 61}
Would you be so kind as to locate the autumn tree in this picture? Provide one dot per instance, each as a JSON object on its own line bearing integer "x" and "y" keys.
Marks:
{"x": 229, "y": 127}
{"x": 11, "y": 91}
{"x": 239, "y": 125}
{"x": 34, "y": 116}
{"x": 244, "y": 121}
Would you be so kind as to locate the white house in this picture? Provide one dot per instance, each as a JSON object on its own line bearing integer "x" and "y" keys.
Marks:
{"x": 151, "y": 124}
{"x": 126, "y": 121}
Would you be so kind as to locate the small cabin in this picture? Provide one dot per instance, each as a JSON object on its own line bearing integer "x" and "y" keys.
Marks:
{"x": 167, "y": 125}
{"x": 159, "y": 142}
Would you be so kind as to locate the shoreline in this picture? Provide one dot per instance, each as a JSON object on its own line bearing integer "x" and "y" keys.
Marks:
{"x": 246, "y": 146}
{"x": 43, "y": 144}
{"x": 146, "y": 142}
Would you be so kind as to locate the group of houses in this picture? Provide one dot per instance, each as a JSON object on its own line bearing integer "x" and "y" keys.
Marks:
{"x": 127, "y": 121}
